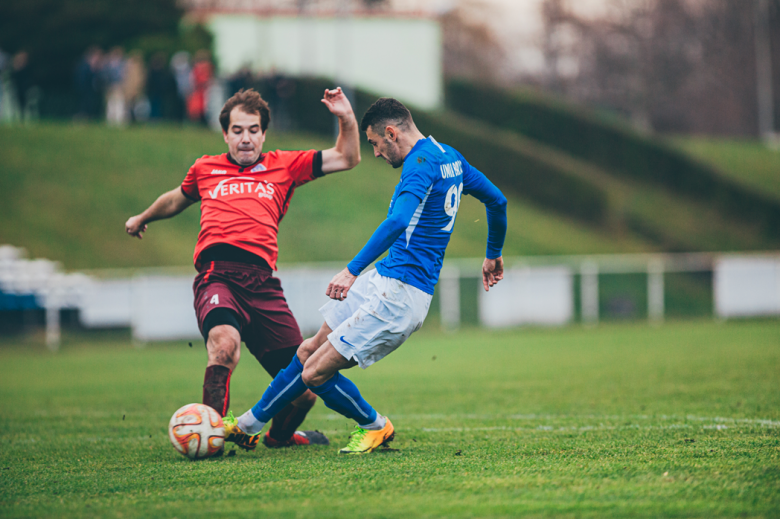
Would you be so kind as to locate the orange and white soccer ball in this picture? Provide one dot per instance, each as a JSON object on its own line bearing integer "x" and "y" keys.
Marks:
{"x": 197, "y": 431}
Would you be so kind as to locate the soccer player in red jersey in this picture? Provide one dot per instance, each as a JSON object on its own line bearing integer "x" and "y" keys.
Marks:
{"x": 244, "y": 194}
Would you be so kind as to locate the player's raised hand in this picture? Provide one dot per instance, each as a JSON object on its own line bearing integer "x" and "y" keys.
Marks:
{"x": 340, "y": 285}
{"x": 337, "y": 102}
{"x": 135, "y": 226}
{"x": 492, "y": 272}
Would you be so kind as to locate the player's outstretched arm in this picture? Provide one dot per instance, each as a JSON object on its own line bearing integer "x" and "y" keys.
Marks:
{"x": 346, "y": 153}
{"x": 168, "y": 204}
{"x": 384, "y": 236}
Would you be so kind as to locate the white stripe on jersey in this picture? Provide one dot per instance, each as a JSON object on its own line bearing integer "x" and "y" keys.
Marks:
{"x": 436, "y": 143}
{"x": 416, "y": 217}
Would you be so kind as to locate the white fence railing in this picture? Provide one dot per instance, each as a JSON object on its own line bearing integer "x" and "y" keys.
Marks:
{"x": 157, "y": 304}
{"x": 538, "y": 289}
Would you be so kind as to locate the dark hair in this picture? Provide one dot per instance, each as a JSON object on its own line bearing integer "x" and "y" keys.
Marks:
{"x": 251, "y": 103}
{"x": 384, "y": 111}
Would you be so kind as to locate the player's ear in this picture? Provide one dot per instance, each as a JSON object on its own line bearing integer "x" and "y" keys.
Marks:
{"x": 224, "y": 136}
{"x": 391, "y": 133}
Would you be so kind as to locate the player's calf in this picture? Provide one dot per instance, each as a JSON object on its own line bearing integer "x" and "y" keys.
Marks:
{"x": 284, "y": 388}
{"x": 286, "y": 422}
{"x": 224, "y": 346}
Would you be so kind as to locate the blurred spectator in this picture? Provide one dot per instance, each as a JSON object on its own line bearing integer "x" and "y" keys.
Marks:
{"x": 201, "y": 76}
{"x": 133, "y": 86}
{"x": 113, "y": 75}
{"x": 180, "y": 66}
{"x": 161, "y": 89}
{"x": 89, "y": 84}
{"x": 22, "y": 80}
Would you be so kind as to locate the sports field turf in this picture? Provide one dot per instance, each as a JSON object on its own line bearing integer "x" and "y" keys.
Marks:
{"x": 681, "y": 420}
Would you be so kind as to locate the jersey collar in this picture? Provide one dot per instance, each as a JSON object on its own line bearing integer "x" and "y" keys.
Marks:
{"x": 241, "y": 167}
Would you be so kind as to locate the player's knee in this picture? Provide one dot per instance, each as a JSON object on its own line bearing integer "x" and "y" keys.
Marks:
{"x": 224, "y": 346}
{"x": 311, "y": 376}
{"x": 306, "y": 400}
{"x": 312, "y": 344}
{"x": 322, "y": 334}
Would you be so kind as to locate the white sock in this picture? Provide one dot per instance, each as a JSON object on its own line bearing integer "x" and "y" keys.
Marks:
{"x": 377, "y": 424}
{"x": 249, "y": 424}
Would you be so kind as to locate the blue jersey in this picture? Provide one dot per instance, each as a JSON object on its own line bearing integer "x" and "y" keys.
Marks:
{"x": 438, "y": 175}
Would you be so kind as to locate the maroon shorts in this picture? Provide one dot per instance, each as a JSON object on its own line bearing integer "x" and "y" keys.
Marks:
{"x": 267, "y": 324}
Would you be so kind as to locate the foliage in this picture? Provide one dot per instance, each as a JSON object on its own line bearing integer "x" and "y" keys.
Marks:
{"x": 56, "y": 34}
{"x": 556, "y": 180}
{"x": 528, "y": 176}
{"x": 750, "y": 163}
{"x": 681, "y": 420}
{"x": 613, "y": 147}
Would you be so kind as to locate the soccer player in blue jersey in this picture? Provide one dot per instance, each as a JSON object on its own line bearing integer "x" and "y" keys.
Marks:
{"x": 370, "y": 316}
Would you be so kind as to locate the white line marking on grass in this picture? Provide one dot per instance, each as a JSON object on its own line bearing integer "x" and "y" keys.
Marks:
{"x": 756, "y": 421}
{"x": 552, "y": 423}
{"x": 565, "y": 429}
{"x": 601, "y": 418}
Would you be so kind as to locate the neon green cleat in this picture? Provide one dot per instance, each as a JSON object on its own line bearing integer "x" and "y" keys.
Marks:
{"x": 363, "y": 441}
{"x": 234, "y": 434}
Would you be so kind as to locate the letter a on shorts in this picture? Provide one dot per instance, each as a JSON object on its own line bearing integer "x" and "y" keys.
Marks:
{"x": 214, "y": 299}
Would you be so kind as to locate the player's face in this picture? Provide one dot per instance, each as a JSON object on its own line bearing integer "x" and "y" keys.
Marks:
{"x": 244, "y": 137}
{"x": 386, "y": 147}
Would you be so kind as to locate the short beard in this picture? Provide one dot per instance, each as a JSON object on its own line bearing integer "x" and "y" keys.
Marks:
{"x": 393, "y": 158}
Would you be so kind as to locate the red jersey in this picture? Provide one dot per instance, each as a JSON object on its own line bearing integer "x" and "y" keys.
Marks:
{"x": 243, "y": 205}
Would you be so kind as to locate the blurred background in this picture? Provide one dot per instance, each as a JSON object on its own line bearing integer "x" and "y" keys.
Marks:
{"x": 637, "y": 142}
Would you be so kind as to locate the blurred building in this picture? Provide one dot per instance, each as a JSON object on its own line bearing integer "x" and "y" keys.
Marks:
{"x": 374, "y": 45}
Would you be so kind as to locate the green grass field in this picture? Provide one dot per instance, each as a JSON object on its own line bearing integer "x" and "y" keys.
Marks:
{"x": 681, "y": 420}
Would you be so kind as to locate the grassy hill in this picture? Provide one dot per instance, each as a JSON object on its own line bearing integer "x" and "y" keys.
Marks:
{"x": 575, "y": 163}
{"x": 68, "y": 189}
{"x": 663, "y": 217}
{"x": 681, "y": 197}
{"x": 750, "y": 163}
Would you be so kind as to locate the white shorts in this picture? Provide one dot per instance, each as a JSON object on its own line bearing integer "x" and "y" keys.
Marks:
{"x": 377, "y": 316}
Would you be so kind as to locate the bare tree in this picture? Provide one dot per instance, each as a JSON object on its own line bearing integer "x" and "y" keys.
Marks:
{"x": 471, "y": 50}
{"x": 673, "y": 65}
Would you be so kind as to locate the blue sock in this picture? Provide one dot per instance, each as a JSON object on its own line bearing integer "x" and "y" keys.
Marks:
{"x": 284, "y": 388}
{"x": 341, "y": 395}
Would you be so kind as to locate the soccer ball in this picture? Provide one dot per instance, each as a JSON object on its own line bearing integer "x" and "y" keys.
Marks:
{"x": 196, "y": 431}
